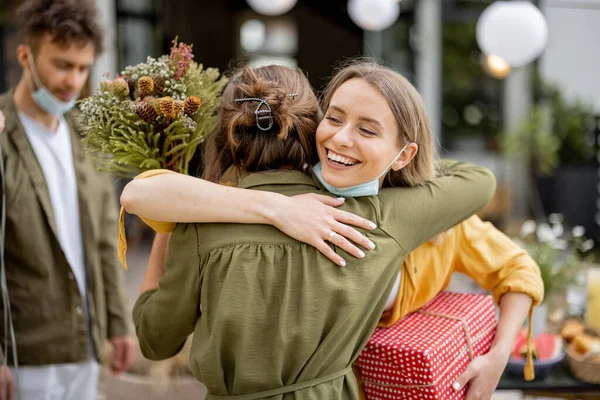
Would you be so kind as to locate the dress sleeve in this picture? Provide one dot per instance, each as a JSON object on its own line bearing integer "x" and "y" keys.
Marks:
{"x": 413, "y": 215}
{"x": 166, "y": 316}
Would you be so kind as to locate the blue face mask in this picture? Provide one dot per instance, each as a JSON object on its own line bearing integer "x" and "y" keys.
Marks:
{"x": 370, "y": 188}
{"x": 44, "y": 98}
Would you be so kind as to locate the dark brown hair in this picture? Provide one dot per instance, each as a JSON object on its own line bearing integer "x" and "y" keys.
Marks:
{"x": 237, "y": 140}
{"x": 66, "y": 21}
{"x": 408, "y": 108}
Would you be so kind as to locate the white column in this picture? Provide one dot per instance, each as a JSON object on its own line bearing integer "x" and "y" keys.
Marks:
{"x": 373, "y": 44}
{"x": 516, "y": 102}
{"x": 107, "y": 61}
{"x": 428, "y": 21}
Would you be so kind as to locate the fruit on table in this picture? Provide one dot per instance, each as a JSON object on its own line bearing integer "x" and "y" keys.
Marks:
{"x": 546, "y": 346}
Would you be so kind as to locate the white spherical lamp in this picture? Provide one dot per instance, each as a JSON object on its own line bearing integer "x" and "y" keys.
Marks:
{"x": 374, "y": 15}
{"x": 515, "y": 31}
{"x": 272, "y": 7}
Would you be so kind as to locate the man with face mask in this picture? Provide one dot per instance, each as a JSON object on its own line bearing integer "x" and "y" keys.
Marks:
{"x": 64, "y": 281}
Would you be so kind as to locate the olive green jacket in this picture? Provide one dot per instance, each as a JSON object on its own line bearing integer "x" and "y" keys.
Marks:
{"x": 47, "y": 309}
{"x": 272, "y": 317}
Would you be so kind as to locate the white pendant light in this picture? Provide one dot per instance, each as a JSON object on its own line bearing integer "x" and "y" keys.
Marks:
{"x": 374, "y": 15}
{"x": 272, "y": 7}
{"x": 515, "y": 31}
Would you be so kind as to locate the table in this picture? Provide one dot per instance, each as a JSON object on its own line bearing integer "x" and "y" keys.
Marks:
{"x": 558, "y": 383}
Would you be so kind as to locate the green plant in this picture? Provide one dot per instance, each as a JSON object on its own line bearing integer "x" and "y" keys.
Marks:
{"x": 556, "y": 132}
{"x": 559, "y": 253}
{"x": 153, "y": 115}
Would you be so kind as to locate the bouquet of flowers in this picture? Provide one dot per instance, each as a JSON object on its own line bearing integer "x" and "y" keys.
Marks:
{"x": 152, "y": 115}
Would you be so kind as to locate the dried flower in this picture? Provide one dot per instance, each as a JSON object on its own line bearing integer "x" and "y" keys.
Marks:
{"x": 120, "y": 87}
{"x": 192, "y": 105}
{"x": 131, "y": 85}
{"x": 165, "y": 105}
{"x": 145, "y": 86}
{"x": 159, "y": 84}
{"x": 177, "y": 108}
{"x": 180, "y": 58}
{"x": 145, "y": 111}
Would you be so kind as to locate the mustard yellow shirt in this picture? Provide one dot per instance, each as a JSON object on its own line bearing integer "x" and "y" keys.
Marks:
{"x": 475, "y": 248}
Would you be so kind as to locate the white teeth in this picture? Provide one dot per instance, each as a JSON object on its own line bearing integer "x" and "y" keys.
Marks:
{"x": 339, "y": 158}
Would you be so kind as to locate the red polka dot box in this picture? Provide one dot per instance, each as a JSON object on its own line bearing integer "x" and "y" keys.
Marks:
{"x": 421, "y": 355}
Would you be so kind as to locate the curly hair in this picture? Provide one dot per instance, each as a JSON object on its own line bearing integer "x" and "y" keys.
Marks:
{"x": 67, "y": 21}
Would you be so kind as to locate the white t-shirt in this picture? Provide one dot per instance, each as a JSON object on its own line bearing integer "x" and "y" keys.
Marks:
{"x": 392, "y": 297}
{"x": 55, "y": 155}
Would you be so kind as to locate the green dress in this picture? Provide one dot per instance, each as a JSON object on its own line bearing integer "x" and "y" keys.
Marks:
{"x": 272, "y": 317}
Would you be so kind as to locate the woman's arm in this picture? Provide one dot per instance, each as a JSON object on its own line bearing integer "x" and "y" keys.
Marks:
{"x": 156, "y": 263}
{"x": 165, "y": 314}
{"x": 483, "y": 373}
{"x": 307, "y": 218}
{"x": 414, "y": 215}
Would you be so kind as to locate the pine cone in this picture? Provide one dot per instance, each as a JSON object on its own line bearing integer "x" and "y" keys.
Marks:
{"x": 192, "y": 105}
{"x": 177, "y": 109}
{"x": 145, "y": 111}
{"x": 120, "y": 87}
{"x": 159, "y": 84}
{"x": 131, "y": 85}
{"x": 165, "y": 106}
{"x": 145, "y": 86}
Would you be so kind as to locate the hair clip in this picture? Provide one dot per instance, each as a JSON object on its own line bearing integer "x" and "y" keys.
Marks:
{"x": 263, "y": 111}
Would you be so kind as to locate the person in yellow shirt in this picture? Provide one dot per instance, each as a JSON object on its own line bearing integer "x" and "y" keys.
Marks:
{"x": 496, "y": 263}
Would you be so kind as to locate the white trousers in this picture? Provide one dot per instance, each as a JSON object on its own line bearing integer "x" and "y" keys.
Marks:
{"x": 78, "y": 381}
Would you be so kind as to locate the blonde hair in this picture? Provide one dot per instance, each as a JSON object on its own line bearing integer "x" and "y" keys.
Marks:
{"x": 239, "y": 144}
{"x": 408, "y": 109}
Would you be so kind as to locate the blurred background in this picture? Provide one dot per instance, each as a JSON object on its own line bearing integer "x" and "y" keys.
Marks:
{"x": 529, "y": 111}
{"x": 474, "y": 102}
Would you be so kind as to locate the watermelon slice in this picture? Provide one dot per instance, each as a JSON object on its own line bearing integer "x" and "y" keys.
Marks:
{"x": 546, "y": 346}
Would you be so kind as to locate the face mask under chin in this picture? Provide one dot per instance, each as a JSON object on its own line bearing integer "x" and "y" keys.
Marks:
{"x": 43, "y": 97}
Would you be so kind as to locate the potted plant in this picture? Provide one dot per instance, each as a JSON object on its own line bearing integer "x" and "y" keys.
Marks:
{"x": 557, "y": 140}
{"x": 561, "y": 255}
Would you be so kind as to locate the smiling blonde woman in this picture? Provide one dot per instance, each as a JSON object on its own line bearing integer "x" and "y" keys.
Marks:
{"x": 272, "y": 318}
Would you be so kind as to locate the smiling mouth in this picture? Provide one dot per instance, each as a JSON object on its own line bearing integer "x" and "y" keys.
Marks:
{"x": 66, "y": 96}
{"x": 342, "y": 161}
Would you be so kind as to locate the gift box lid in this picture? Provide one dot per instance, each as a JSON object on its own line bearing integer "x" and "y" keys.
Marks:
{"x": 424, "y": 345}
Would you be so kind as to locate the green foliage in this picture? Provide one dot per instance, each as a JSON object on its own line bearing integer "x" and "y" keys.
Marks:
{"x": 207, "y": 84}
{"x": 466, "y": 85}
{"x": 557, "y": 131}
{"x": 534, "y": 140}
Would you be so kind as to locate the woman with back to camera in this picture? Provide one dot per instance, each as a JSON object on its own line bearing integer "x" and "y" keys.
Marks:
{"x": 276, "y": 320}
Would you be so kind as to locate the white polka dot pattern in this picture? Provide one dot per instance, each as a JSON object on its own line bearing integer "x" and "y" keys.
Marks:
{"x": 421, "y": 356}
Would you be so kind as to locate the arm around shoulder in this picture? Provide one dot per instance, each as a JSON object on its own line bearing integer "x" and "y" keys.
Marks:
{"x": 413, "y": 215}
